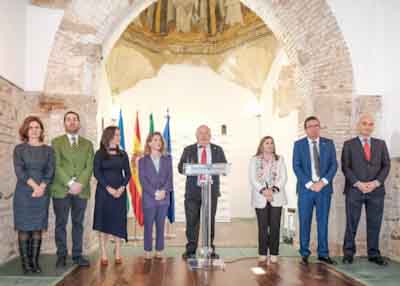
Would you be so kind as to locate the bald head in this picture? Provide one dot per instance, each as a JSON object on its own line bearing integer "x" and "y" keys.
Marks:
{"x": 366, "y": 125}
{"x": 203, "y": 134}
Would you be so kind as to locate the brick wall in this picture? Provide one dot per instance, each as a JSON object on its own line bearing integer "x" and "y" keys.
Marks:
{"x": 15, "y": 105}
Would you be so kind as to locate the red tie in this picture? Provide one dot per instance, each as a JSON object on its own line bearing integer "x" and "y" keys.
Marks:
{"x": 203, "y": 159}
{"x": 367, "y": 150}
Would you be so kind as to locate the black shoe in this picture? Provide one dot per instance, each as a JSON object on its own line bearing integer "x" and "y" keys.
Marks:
{"x": 61, "y": 262}
{"x": 327, "y": 260}
{"x": 35, "y": 245}
{"x": 347, "y": 259}
{"x": 81, "y": 261}
{"x": 304, "y": 260}
{"x": 378, "y": 260}
{"x": 188, "y": 255}
{"x": 214, "y": 255}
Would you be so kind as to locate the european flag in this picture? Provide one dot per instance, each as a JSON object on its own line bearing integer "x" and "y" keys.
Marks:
{"x": 167, "y": 138}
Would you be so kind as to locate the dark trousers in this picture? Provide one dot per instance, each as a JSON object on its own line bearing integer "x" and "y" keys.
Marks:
{"x": 61, "y": 211}
{"x": 374, "y": 203}
{"x": 192, "y": 213}
{"x": 269, "y": 224}
{"x": 155, "y": 215}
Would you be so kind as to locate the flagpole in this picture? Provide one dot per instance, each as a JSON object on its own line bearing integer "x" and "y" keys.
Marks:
{"x": 170, "y": 228}
{"x": 135, "y": 236}
{"x": 170, "y": 233}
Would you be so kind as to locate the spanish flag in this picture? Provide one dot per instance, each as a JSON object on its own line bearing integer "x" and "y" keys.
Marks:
{"x": 134, "y": 185}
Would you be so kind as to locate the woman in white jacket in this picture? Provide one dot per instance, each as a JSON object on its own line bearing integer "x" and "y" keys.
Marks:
{"x": 268, "y": 177}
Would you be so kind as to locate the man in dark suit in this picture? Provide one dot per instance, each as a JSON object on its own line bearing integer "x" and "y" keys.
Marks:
{"x": 315, "y": 166}
{"x": 202, "y": 152}
{"x": 366, "y": 165}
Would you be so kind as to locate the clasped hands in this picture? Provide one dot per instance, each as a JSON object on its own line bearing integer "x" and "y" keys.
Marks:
{"x": 268, "y": 194}
{"x": 38, "y": 190}
{"x": 160, "y": 195}
{"x": 367, "y": 187}
{"x": 317, "y": 186}
{"x": 116, "y": 193}
{"x": 75, "y": 188}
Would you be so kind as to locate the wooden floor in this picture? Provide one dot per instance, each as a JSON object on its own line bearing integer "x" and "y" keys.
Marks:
{"x": 174, "y": 272}
{"x": 226, "y": 233}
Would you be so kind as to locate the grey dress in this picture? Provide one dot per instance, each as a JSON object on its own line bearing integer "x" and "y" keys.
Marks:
{"x": 37, "y": 163}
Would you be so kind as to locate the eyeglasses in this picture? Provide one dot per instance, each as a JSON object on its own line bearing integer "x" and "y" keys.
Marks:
{"x": 313, "y": 126}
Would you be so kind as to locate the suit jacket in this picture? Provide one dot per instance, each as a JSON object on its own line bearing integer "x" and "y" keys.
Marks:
{"x": 190, "y": 155}
{"x": 302, "y": 162}
{"x": 257, "y": 183}
{"x": 151, "y": 180}
{"x": 356, "y": 167}
{"x": 72, "y": 162}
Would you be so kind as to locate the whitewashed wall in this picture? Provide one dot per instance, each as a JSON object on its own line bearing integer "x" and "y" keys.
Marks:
{"x": 13, "y": 40}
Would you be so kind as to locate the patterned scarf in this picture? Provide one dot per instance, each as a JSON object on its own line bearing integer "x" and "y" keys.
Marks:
{"x": 267, "y": 171}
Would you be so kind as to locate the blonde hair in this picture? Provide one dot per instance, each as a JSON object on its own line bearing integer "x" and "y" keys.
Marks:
{"x": 260, "y": 148}
{"x": 147, "y": 149}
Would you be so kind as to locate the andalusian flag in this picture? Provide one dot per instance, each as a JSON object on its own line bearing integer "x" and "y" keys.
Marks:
{"x": 151, "y": 129}
{"x": 122, "y": 145}
{"x": 167, "y": 138}
{"x": 134, "y": 185}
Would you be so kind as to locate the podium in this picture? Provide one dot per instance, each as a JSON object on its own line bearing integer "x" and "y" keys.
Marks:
{"x": 205, "y": 173}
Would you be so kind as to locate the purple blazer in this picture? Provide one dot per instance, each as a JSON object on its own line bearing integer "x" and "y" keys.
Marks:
{"x": 152, "y": 181}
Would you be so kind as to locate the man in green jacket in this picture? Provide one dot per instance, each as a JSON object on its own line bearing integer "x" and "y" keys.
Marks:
{"x": 70, "y": 188}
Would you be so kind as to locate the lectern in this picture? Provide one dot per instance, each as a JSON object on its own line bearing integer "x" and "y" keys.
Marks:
{"x": 205, "y": 173}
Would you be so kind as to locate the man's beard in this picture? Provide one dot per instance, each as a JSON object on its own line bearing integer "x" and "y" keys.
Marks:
{"x": 72, "y": 130}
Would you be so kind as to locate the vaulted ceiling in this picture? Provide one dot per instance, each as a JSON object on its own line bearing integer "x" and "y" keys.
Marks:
{"x": 195, "y": 26}
{"x": 224, "y": 35}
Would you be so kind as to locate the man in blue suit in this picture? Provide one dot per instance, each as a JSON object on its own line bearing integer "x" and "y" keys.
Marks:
{"x": 315, "y": 166}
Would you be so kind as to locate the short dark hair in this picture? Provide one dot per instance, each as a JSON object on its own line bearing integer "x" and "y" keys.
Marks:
{"x": 24, "y": 129}
{"x": 71, "y": 112}
{"x": 310, "y": 118}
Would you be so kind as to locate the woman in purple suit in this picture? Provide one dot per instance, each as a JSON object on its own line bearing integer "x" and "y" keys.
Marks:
{"x": 155, "y": 174}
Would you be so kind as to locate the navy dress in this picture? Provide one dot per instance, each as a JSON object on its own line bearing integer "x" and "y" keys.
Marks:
{"x": 110, "y": 214}
{"x": 37, "y": 163}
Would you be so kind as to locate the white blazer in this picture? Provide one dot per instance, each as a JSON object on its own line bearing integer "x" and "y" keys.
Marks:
{"x": 256, "y": 184}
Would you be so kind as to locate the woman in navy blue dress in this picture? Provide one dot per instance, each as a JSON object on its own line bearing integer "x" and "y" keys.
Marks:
{"x": 112, "y": 171}
{"x": 34, "y": 165}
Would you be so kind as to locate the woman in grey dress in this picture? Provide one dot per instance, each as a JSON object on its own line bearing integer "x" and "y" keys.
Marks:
{"x": 34, "y": 167}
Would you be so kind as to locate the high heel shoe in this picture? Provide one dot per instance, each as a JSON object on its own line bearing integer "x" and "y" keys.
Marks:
{"x": 118, "y": 260}
{"x": 103, "y": 261}
{"x": 158, "y": 255}
{"x": 147, "y": 255}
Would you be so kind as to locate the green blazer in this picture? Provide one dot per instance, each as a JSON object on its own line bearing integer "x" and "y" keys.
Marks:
{"x": 72, "y": 162}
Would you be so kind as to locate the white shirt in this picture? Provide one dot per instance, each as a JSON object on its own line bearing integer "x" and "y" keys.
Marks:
{"x": 70, "y": 136}
{"x": 362, "y": 139}
{"x": 315, "y": 177}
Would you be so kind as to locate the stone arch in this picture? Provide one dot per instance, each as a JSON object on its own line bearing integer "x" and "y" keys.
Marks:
{"x": 307, "y": 30}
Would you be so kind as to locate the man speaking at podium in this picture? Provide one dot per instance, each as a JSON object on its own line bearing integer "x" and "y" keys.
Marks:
{"x": 202, "y": 152}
